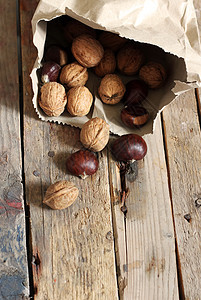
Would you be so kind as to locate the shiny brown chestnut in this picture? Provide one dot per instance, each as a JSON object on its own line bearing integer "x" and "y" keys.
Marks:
{"x": 50, "y": 72}
{"x": 57, "y": 54}
{"x": 136, "y": 92}
{"x": 134, "y": 116}
{"x": 129, "y": 147}
{"x": 82, "y": 163}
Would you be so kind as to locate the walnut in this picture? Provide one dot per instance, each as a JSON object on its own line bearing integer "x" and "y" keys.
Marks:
{"x": 61, "y": 194}
{"x": 79, "y": 101}
{"x": 154, "y": 74}
{"x": 94, "y": 134}
{"x": 53, "y": 98}
{"x": 107, "y": 64}
{"x": 74, "y": 28}
{"x": 129, "y": 59}
{"x": 73, "y": 75}
{"x": 111, "y": 89}
{"x": 87, "y": 50}
{"x": 111, "y": 40}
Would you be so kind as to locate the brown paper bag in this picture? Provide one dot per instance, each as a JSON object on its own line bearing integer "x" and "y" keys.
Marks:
{"x": 161, "y": 25}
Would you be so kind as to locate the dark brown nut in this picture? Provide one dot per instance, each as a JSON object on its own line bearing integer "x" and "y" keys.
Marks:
{"x": 107, "y": 64}
{"x": 111, "y": 89}
{"x": 134, "y": 116}
{"x": 94, "y": 134}
{"x": 50, "y": 71}
{"x": 129, "y": 147}
{"x": 73, "y": 75}
{"x": 129, "y": 59}
{"x": 79, "y": 101}
{"x": 111, "y": 40}
{"x": 136, "y": 92}
{"x": 154, "y": 74}
{"x": 53, "y": 98}
{"x": 56, "y": 54}
{"x": 74, "y": 28}
{"x": 82, "y": 163}
{"x": 61, "y": 194}
{"x": 87, "y": 51}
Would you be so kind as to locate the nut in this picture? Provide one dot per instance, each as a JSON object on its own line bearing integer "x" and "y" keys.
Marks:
{"x": 111, "y": 89}
{"x": 82, "y": 163}
{"x": 87, "y": 50}
{"x": 134, "y": 116}
{"x": 57, "y": 54}
{"x": 154, "y": 74}
{"x": 94, "y": 134}
{"x": 61, "y": 194}
{"x": 107, "y": 64}
{"x": 129, "y": 59}
{"x": 50, "y": 71}
{"x": 73, "y": 75}
{"x": 79, "y": 101}
{"x": 111, "y": 40}
{"x": 136, "y": 92}
{"x": 53, "y": 98}
{"x": 75, "y": 28}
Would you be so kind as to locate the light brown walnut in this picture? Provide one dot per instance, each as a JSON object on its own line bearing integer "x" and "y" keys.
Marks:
{"x": 73, "y": 75}
{"x": 87, "y": 50}
{"x": 94, "y": 134}
{"x": 111, "y": 89}
{"x": 79, "y": 101}
{"x": 154, "y": 74}
{"x": 107, "y": 64}
{"x": 111, "y": 40}
{"x": 61, "y": 194}
{"x": 129, "y": 59}
{"x": 53, "y": 98}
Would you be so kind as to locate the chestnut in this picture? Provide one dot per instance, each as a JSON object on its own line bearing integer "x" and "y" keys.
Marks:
{"x": 82, "y": 163}
{"x": 50, "y": 72}
{"x": 136, "y": 92}
{"x": 129, "y": 147}
{"x": 134, "y": 116}
{"x": 56, "y": 54}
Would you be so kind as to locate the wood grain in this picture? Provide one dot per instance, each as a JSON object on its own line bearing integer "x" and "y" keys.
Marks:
{"x": 14, "y": 281}
{"x": 73, "y": 249}
{"x": 183, "y": 143}
{"x": 151, "y": 262}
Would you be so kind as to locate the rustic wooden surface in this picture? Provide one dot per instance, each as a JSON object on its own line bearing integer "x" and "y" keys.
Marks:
{"x": 13, "y": 260}
{"x": 92, "y": 250}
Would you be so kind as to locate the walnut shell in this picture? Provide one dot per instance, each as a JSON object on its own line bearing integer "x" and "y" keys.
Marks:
{"x": 154, "y": 74}
{"x": 79, "y": 101}
{"x": 94, "y": 134}
{"x": 53, "y": 98}
{"x": 75, "y": 28}
{"x": 107, "y": 64}
{"x": 61, "y": 194}
{"x": 73, "y": 75}
{"x": 111, "y": 89}
{"x": 129, "y": 59}
{"x": 87, "y": 50}
{"x": 111, "y": 40}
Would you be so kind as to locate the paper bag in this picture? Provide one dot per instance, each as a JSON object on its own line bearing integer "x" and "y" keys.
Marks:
{"x": 161, "y": 25}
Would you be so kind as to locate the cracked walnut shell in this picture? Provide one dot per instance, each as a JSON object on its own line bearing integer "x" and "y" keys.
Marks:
{"x": 79, "y": 101}
{"x": 87, "y": 50}
{"x": 53, "y": 99}
{"x": 154, "y": 74}
{"x": 61, "y": 194}
{"x": 111, "y": 89}
{"x": 73, "y": 75}
{"x": 94, "y": 134}
{"x": 107, "y": 64}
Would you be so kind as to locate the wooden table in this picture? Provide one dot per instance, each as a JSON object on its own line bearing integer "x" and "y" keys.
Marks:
{"x": 90, "y": 250}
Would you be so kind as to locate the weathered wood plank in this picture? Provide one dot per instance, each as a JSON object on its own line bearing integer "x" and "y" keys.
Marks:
{"x": 14, "y": 283}
{"x": 73, "y": 249}
{"x": 151, "y": 262}
{"x": 183, "y": 143}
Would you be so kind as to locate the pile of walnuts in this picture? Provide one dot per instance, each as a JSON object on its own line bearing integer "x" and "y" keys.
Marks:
{"x": 63, "y": 88}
